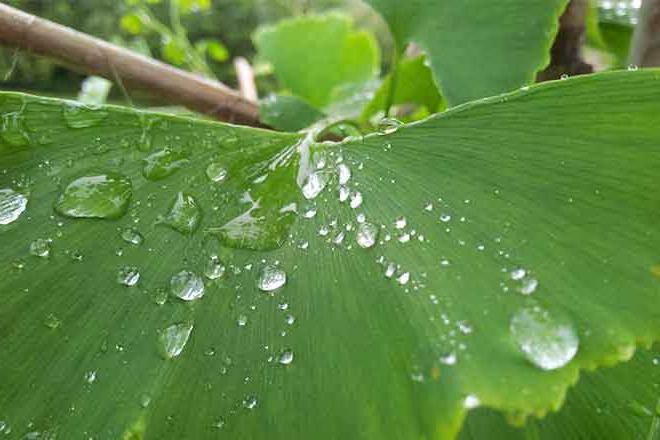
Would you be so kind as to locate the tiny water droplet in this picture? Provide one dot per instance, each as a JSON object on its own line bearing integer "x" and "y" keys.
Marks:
{"x": 242, "y": 320}
{"x": 250, "y": 402}
{"x": 174, "y": 339}
{"x": 79, "y": 115}
{"x": 444, "y": 218}
{"x": 271, "y": 278}
{"x": 214, "y": 268}
{"x": 52, "y": 321}
{"x": 187, "y": 285}
{"x": 449, "y": 358}
{"x": 518, "y": 274}
{"x": 164, "y": 163}
{"x": 471, "y": 402}
{"x": 216, "y": 172}
{"x": 389, "y": 270}
{"x": 429, "y": 206}
{"x": 367, "y": 234}
{"x": 90, "y": 376}
{"x": 404, "y": 278}
{"x": 132, "y": 236}
{"x": 286, "y": 357}
{"x": 96, "y": 196}
{"x": 547, "y": 342}
{"x": 128, "y": 276}
{"x": 314, "y": 184}
{"x": 40, "y": 248}
{"x": 356, "y": 200}
{"x": 12, "y": 205}
{"x": 529, "y": 285}
{"x": 13, "y": 130}
{"x": 344, "y": 193}
{"x": 219, "y": 423}
{"x": 344, "y": 173}
{"x": 145, "y": 400}
{"x": 400, "y": 223}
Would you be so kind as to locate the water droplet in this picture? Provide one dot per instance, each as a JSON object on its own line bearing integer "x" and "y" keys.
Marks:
{"x": 12, "y": 205}
{"x": 52, "y": 321}
{"x": 400, "y": 223}
{"x": 145, "y": 400}
{"x": 344, "y": 173}
{"x": 310, "y": 213}
{"x": 404, "y": 278}
{"x": 344, "y": 192}
{"x": 242, "y": 320}
{"x": 184, "y": 215}
{"x": 128, "y": 276}
{"x": 429, "y": 206}
{"x": 13, "y": 130}
{"x": 471, "y": 402}
{"x": 174, "y": 338}
{"x": 518, "y": 274}
{"x": 271, "y": 278}
{"x": 546, "y": 342}
{"x": 290, "y": 319}
{"x": 187, "y": 285}
{"x": 97, "y": 196}
{"x": 356, "y": 200}
{"x": 78, "y": 115}
{"x": 250, "y": 402}
{"x": 90, "y": 376}
{"x": 404, "y": 238}
{"x": 389, "y": 270}
{"x": 449, "y": 358}
{"x": 132, "y": 236}
{"x": 444, "y": 218}
{"x": 164, "y": 163}
{"x": 367, "y": 234}
{"x": 214, "y": 268}
{"x": 216, "y": 172}
{"x": 389, "y": 125}
{"x": 314, "y": 184}
{"x": 219, "y": 423}
{"x": 40, "y": 248}
{"x": 286, "y": 357}
{"x": 445, "y": 262}
{"x": 529, "y": 285}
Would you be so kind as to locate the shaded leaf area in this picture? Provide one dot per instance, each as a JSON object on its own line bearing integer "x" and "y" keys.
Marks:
{"x": 481, "y": 257}
{"x": 414, "y": 85}
{"x": 461, "y": 37}
{"x": 607, "y": 404}
{"x": 288, "y": 113}
{"x": 301, "y": 49}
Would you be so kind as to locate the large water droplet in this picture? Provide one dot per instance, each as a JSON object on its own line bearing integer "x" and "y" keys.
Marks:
{"x": 214, "y": 268}
{"x": 12, "y": 205}
{"x": 128, "y": 276}
{"x": 314, "y": 184}
{"x": 271, "y": 278}
{"x": 366, "y": 235}
{"x": 184, "y": 215}
{"x": 79, "y": 115}
{"x": 216, "y": 172}
{"x": 40, "y": 248}
{"x": 96, "y": 196}
{"x": 547, "y": 342}
{"x": 164, "y": 163}
{"x": 174, "y": 338}
{"x": 187, "y": 285}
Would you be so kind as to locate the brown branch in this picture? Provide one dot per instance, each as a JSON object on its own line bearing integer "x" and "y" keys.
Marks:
{"x": 645, "y": 49}
{"x": 245, "y": 75}
{"x": 92, "y": 56}
{"x": 566, "y": 53}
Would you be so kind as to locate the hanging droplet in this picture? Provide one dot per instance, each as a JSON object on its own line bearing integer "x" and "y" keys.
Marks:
{"x": 366, "y": 235}
{"x": 174, "y": 339}
{"x": 216, "y": 172}
{"x": 214, "y": 268}
{"x": 40, "y": 248}
{"x": 187, "y": 285}
{"x": 184, "y": 215}
{"x": 356, "y": 200}
{"x": 79, "y": 115}
{"x": 12, "y": 205}
{"x": 96, "y": 196}
{"x": 286, "y": 357}
{"x": 132, "y": 236}
{"x": 546, "y": 342}
{"x": 164, "y": 163}
{"x": 344, "y": 173}
{"x": 314, "y": 184}
{"x": 128, "y": 276}
{"x": 271, "y": 278}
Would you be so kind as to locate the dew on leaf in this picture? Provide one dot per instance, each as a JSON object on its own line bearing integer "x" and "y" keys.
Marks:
{"x": 344, "y": 173}
{"x": 184, "y": 215}
{"x": 445, "y": 218}
{"x": 90, "y": 376}
{"x": 216, "y": 172}
{"x": 529, "y": 285}
{"x": 344, "y": 193}
{"x": 79, "y": 115}
{"x": 366, "y": 235}
{"x": 449, "y": 358}
{"x": 271, "y": 278}
{"x": 12, "y": 205}
{"x": 518, "y": 274}
{"x": 286, "y": 357}
{"x": 187, "y": 285}
{"x": 400, "y": 223}
{"x": 174, "y": 339}
{"x": 471, "y": 401}
{"x": 13, "y": 130}
{"x": 250, "y": 402}
{"x": 242, "y": 320}
{"x": 404, "y": 278}
{"x": 314, "y": 184}
{"x": 132, "y": 236}
{"x": 356, "y": 200}
{"x": 104, "y": 195}
{"x": 214, "y": 268}
{"x": 51, "y": 321}
{"x": 163, "y": 163}
{"x": 547, "y": 342}
{"x": 389, "y": 270}
{"x": 40, "y": 248}
{"x": 128, "y": 276}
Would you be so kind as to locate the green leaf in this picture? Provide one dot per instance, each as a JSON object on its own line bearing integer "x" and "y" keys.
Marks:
{"x": 301, "y": 49}
{"x": 173, "y": 52}
{"x": 132, "y": 23}
{"x": 214, "y": 48}
{"x": 287, "y": 113}
{"x": 507, "y": 245}
{"x": 415, "y": 85}
{"x": 476, "y": 49}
